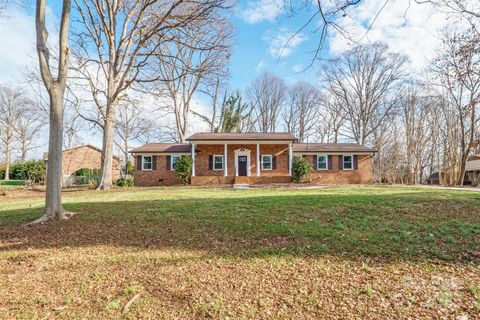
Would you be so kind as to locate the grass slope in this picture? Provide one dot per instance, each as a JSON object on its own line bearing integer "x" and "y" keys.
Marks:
{"x": 351, "y": 252}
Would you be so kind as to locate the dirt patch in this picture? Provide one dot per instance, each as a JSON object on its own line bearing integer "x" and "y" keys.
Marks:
{"x": 97, "y": 282}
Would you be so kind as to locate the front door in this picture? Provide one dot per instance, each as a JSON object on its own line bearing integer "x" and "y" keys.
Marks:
{"x": 242, "y": 165}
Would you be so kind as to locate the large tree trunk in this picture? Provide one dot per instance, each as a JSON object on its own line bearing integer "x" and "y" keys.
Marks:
{"x": 105, "y": 179}
{"x": 24, "y": 152}
{"x": 56, "y": 89}
{"x": 53, "y": 200}
{"x": 7, "y": 161}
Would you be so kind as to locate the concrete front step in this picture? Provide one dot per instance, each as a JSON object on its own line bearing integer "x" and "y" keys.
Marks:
{"x": 241, "y": 186}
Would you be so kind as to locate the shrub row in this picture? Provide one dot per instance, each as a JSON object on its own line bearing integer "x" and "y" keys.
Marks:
{"x": 32, "y": 170}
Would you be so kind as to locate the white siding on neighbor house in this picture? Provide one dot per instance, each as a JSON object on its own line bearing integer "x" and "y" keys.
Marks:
{"x": 473, "y": 165}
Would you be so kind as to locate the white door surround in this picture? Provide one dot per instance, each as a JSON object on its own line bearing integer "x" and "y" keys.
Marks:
{"x": 242, "y": 152}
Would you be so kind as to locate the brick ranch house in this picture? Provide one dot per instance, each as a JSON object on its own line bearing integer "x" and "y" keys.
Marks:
{"x": 252, "y": 158}
{"x": 84, "y": 156}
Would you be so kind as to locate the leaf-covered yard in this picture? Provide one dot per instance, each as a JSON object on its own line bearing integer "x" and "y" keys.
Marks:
{"x": 189, "y": 253}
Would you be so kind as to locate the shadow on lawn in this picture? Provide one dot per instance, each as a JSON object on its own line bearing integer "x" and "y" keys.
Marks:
{"x": 406, "y": 226}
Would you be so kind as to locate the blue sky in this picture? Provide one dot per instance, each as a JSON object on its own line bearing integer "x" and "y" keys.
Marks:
{"x": 260, "y": 46}
{"x": 263, "y": 27}
{"x": 261, "y": 30}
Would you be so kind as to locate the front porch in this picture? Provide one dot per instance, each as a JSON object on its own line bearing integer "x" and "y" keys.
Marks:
{"x": 241, "y": 162}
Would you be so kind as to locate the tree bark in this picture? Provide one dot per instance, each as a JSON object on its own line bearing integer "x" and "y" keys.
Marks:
{"x": 24, "y": 152}
{"x": 105, "y": 181}
{"x": 7, "y": 161}
{"x": 56, "y": 89}
{"x": 53, "y": 201}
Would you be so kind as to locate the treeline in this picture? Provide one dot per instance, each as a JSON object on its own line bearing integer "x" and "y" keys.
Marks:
{"x": 21, "y": 120}
{"x": 142, "y": 87}
{"x": 420, "y": 124}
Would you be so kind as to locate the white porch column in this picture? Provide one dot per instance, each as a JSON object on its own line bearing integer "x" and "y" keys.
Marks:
{"x": 290, "y": 159}
{"x": 193, "y": 160}
{"x": 258, "y": 160}
{"x": 225, "y": 160}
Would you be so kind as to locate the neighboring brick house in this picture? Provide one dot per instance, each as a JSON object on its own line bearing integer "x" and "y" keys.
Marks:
{"x": 251, "y": 158}
{"x": 85, "y": 156}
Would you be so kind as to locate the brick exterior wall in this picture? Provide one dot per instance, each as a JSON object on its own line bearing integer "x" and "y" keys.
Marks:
{"x": 362, "y": 175}
{"x": 158, "y": 176}
{"x": 205, "y": 176}
{"x": 204, "y": 151}
{"x": 86, "y": 157}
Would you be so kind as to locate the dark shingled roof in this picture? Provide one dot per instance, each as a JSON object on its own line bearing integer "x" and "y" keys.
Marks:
{"x": 163, "y": 148}
{"x": 330, "y": 147}
{"x": 297, "y": 147}
{"x": 242, "y": 136}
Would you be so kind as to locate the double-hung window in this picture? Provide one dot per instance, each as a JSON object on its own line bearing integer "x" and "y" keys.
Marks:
{"x": 147, "y": 162}
{"x": 347, "y": 162}
{"x": 218, "y": 162}
{"x": 267, "y": 162}
{"x": 173, "y": 162}
{"x": 322, "y": 162}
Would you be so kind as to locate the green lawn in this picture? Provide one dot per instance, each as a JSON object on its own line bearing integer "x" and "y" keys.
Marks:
{"x": 7, "y": 184}
{"x": 258, "y": 253}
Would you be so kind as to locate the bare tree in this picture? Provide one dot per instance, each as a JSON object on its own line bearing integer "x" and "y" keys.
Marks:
{"x": 231, "y": 115}
{"x": 55, "y": 86}
{"x": 388, "y": 163}
{"x": 469, "y": 8}
{"x": 319, "y": 17}
{"x": 72, "y": 126}
{"x": 302, "y": 110}
{"x": 196, "y": 57}
{"x": 71, "y": 119}
{"x": 267, "y": 96}
{"x": 217, "y": 93}
{"x": 12, "y": 105}
{"x": 331, "y": 122}
{"x": 457, "y": 73}
{"x": 363, "y": 81}
{"x": 27, "y": 129}
{"x": 415, "y": 113}
{"x": 132, "y": 125}
{"x": 115, "y": 48}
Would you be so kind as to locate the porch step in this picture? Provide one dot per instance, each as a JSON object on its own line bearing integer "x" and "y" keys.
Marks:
{"x": 241, "y": 186}
{"x": 242, "y": 180}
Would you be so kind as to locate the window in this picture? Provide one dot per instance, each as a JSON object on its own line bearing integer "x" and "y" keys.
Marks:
{"x": 173, "y": 162}
{"x": 266, "y": 162}
{"x": 347, "y": 162}
{"x": 322, "y": 162}
{"x": 217, "y": 162}
{"x": 147, "y": 162}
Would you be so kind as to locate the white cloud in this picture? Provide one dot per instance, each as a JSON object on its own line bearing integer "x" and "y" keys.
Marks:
{"x": 408, "y": 28}
{"x": 284, "y": 43}
{"x": 17, "y": 50}
{"x": 297, "y": 68}
{"x": 261, "y": 65}
{"x": 203, "y": 107}
{"x": 262, "y": 10}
